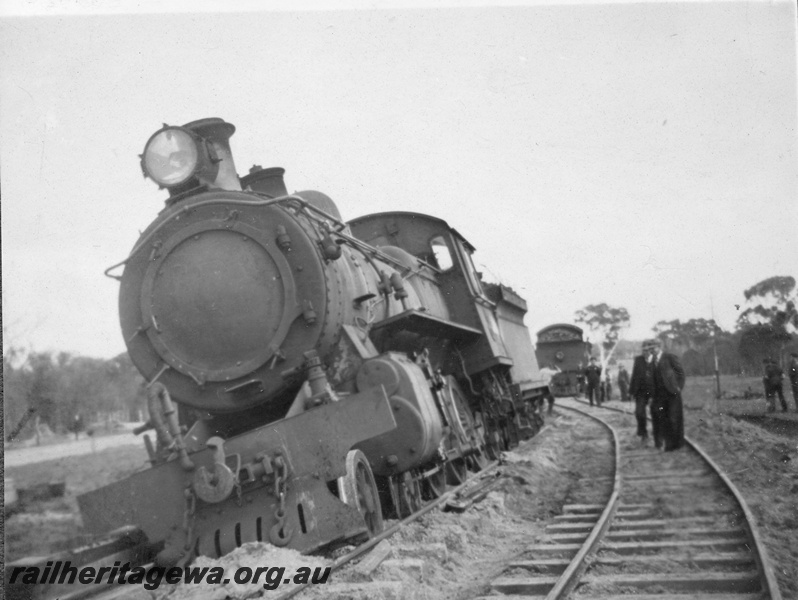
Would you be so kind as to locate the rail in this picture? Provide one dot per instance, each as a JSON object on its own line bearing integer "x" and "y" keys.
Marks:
{"x": 674, "y": 527}
{"x": 573, "y": 572}
{"x": 760, "y": 554}
{"x": 762, "y": 558}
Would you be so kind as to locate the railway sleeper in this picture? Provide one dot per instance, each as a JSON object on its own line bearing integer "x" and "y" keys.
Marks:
{"x": 652, "y": 485}
{"x": 671, "y": 480}
{"x": 696, "y": 596}
{"x": 719, "y": 545}
{"x": 650, "y": 534}
{"x": 639, "y": 515}
{"x": 662, "y": 475}
{"x": 554, "y": 550}
{"x": 654, "y": 564}
{"x": 632, "y": 525}
{"x": 670, "y": 475}
{"x": 692, "y": 533}
{"x": 575, "y": 518}
{"x": 715, "y": 582}
{"x": 597, "y": 508}
{"x": 652, "y": 523}
{"x": 645, "y": 453}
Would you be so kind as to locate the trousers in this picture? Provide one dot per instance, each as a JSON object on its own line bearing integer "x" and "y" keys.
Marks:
{"x": 641, "y": 402}
{"x": 592, "y": 390}
{"x": 657, "y": 422}
{"x": 770, "y": 395}
{"x": 671, "y": 421}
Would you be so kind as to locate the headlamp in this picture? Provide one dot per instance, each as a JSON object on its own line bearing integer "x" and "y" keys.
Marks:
{"x": 171, "y": 156}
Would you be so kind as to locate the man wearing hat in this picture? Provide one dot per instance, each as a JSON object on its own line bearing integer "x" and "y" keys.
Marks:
{"x": 793, "y": 371}
{"x": 668, "y": 383}
{"x": 593, "y": 379}
{"x": 641, "y": 388}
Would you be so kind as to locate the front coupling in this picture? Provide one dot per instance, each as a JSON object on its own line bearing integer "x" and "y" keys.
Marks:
{"x": 217, "y": 485}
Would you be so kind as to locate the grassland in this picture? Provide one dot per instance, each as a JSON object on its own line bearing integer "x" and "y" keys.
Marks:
{"x": 50, "y": 525}
{"x": 700, "y": 391}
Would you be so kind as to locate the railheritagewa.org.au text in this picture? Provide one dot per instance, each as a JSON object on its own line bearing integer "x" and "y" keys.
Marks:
{"x": 62, "y": 572}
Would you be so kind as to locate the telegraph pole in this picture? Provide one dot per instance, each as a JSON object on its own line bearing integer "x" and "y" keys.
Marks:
{"x": 715, "y": 347}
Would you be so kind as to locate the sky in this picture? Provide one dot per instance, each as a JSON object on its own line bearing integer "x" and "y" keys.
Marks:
{"x": 638, "y": 154}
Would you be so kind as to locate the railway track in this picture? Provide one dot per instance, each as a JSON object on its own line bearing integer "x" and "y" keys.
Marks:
{"x": 659, "y": 526}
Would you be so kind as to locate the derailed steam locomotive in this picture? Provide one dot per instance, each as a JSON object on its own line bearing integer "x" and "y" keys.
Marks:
{"x": 337, "y": 369}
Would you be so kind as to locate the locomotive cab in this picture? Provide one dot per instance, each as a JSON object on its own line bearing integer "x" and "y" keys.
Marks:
{"x": 470, "y": 302}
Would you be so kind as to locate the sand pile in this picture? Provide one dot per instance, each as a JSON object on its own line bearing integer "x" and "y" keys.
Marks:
{"x": 263, "y": 570}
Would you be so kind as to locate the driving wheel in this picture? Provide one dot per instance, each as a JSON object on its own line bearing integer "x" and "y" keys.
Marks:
{"x": 434, "y": 485}
{"x": 359, "y": 490}
{"x": 406, "y": 494}
{"x": 456, "y": 471}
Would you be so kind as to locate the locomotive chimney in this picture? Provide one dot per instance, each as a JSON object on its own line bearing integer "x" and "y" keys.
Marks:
{"x": 266, "y": 181}
{"x": 217, "y": 133}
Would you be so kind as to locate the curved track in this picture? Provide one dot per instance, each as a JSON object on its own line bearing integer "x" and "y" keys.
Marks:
{"x": 668, "y": 527}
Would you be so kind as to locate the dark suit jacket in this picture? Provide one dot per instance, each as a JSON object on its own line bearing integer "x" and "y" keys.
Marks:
{"x": 638, "y": 381}
{"x": 593, "y": 375}
{"x": 669, "y": 374}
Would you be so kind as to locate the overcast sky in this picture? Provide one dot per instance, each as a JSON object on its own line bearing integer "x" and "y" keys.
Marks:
{"x": 642, "y": 155}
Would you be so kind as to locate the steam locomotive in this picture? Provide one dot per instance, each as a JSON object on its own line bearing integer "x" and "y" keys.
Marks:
{"x": 561, "y": 348}
{"x": 337, "y": 371}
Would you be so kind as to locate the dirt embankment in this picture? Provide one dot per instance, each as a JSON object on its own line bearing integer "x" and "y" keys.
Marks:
{"x": 764, "y": 467}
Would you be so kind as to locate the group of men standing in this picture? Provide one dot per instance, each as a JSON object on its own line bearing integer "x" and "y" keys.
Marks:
{"x": 598, "y": 390}
{"x": 657, "y": 382}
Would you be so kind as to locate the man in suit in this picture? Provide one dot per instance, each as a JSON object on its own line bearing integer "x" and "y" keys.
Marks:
{"x": 641, "y": 388}
{"x": 773, "y": 380}
{"x": 623, "y": 383}
{"x": 593, "y": 378}
{"x": 668, "y": 383}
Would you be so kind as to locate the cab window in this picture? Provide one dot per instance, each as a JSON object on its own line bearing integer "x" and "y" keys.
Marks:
{"x": 441, "y": 253}
{"x": 471, "y": 272}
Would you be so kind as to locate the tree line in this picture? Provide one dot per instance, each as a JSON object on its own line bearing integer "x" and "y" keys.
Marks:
{"x": 765, "y": 328}
{"x": 49, "y": 390}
